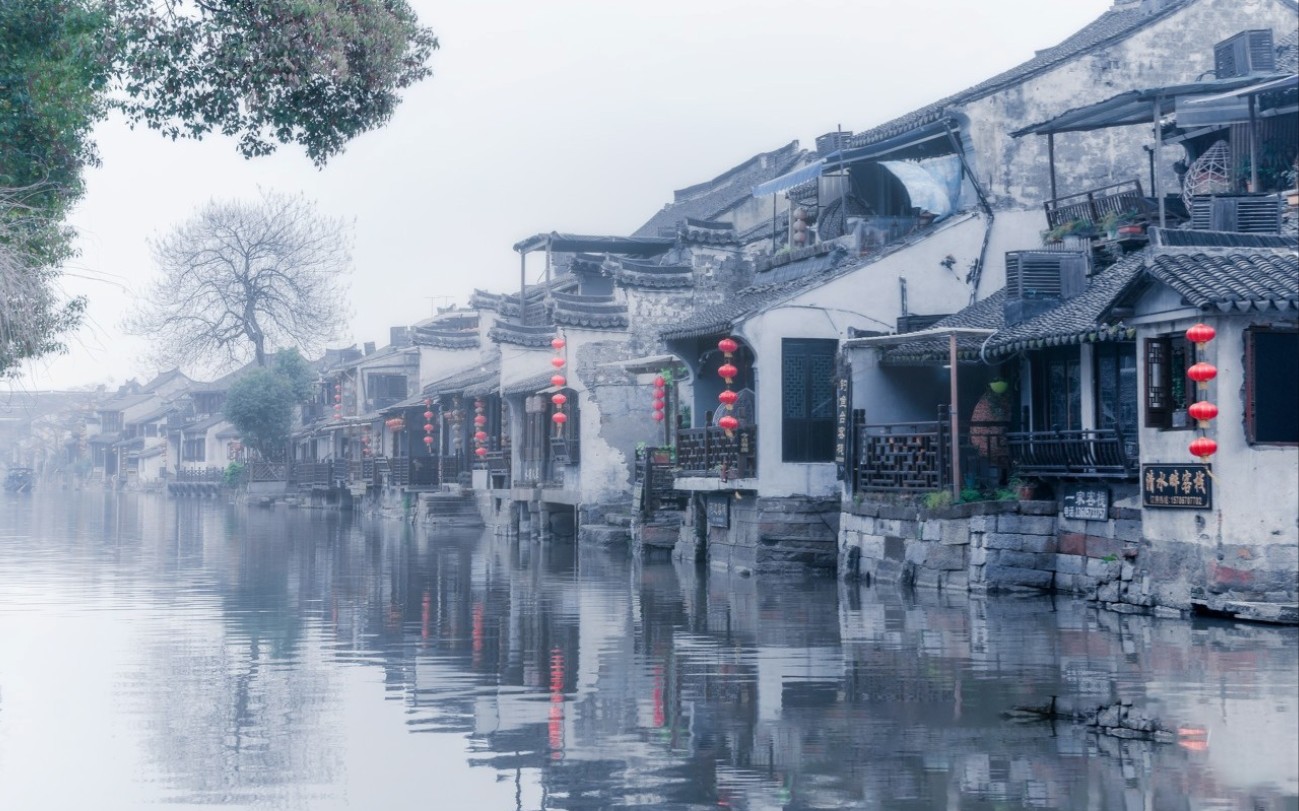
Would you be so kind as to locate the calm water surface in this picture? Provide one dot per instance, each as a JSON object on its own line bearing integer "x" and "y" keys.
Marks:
{"x": 175, "y": 654}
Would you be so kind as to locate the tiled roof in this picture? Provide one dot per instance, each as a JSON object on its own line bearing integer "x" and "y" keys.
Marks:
{"x": 632, "y": 273}
{"x": 1114, "y": 24}
{"x": 592, "y": 312}
{"x": 533, "y": 335}
{"x": 986, "y": 314}
{"x": 707, "y": 232}
{"x": 708, "y": 200}
{"x": 1232, "y": 279}
{"x": 458, "y": 381}
{"x": 531, "y": 385}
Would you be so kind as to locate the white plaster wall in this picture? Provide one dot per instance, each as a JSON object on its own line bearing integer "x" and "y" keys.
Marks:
{"x": 436, "y": 363}
{"x": 1256, "y": 487}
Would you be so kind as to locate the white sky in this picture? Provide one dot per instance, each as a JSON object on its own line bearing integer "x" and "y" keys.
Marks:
{"x": 567, "y": 115}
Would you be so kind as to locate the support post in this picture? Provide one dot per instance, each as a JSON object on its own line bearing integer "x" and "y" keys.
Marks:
{"x": 1158, "y": 153}
{"x": 1050, "y": 156}
{"x": 954, "y": 414}
{"x": 523, "y": 285}
{"x": 1253, "y": 144}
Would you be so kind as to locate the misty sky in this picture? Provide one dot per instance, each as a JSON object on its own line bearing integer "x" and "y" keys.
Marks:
{"x": 567, "y": 115}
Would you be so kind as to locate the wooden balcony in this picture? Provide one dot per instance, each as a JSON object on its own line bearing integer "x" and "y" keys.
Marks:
{"x": 710, "y": 452}
{"x": 1093, "y": 205}
{"x": 1088, "y": 454}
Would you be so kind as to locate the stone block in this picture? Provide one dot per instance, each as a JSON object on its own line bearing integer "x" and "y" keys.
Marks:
{"x": 1126, "y": 530}
{"x": 1108, "y": 593}
{"x": 872, "y": 547}
{"x": 1001, "y": 577}
{"x": 1038, "y": 543}
{"x": 1026, "y": 560}
{"x": 918, "y": 552}
{"x": 1125, "y": 513}
{"x": 1070, "y": 564}
{"x": 1071, "y": 543}
{"x": 1038, "y": 508}
{"x": 1102, "y": 570}
{"x": 946, "y": 557}
{"x": 956, "y": 533}
{"x": 1127, "y": 571}
{"x": 1002, "y": 540}
{"x": 927, "y": 578}
{"x": 895, "y": 548}
{"x": 1098, "y": 547}
{"x": 982, "y": 523}
{"x": 955, "y": 581}
{"x": 931, "y": 530}
{"x": 1037, "y": 524}
{"x": 978, "y": 556}
{"x": 897, "y": 512}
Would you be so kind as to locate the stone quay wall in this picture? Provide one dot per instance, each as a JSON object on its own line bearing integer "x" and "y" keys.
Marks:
{"x": 1026, "y": 545}
{"x": 763, "y": 535}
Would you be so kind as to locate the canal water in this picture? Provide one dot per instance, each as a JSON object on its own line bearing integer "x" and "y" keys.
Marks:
{"x": 172, "y": 654}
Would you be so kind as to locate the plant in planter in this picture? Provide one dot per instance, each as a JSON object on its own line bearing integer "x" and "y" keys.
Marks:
{"x": 1023, "y": 490}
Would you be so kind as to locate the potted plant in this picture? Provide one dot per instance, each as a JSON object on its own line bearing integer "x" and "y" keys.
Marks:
{"x": 1023, "y": 489}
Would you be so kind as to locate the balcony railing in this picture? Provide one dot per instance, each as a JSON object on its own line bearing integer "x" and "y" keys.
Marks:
{"x": 710, "y": 452}
{"x": 1093, "y": 205}
{"x": 1088, "y": 454}
{"x": 904, "y": 456}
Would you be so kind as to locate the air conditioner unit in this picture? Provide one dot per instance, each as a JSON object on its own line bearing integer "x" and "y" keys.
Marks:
{"x": 1244, "y": 214}
{"x": 1037, "y": 281}
{"x": 1246, "y": 53}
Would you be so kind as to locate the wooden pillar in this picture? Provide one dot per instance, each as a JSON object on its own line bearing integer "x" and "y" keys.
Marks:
{"x": 1158, "y": 151}
{"x": 523, "y": 285}
{"x": 1050, "y": 156}
{"x": 954, "y": 415}
{"x": 1253, "y": 144}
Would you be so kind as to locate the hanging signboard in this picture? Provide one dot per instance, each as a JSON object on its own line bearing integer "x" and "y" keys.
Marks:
{"x": 1184, "y": 487}
{"x": 719, "y": 511}
{"x": 1086, "y": 503}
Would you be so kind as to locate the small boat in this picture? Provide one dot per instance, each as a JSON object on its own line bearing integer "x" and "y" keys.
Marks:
{"x": 19, "y": 480}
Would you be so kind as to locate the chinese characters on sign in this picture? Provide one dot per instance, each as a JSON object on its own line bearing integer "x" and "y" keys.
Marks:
{"x": 719, "y": 511}
{"x": 841, "y": 414}
{"x": 1087, "y": 503}
{"x": 1188, "y": 487}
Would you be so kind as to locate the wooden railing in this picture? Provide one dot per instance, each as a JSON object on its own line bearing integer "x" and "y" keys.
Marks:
{"x": 259, "y": 471}
{"x": 1088, "y": 454}
{"x": 710, "y": 452}
{"x": 200, "y": 474}
{"x": 903, "y": 456}
{"x": 1092, "y": 205}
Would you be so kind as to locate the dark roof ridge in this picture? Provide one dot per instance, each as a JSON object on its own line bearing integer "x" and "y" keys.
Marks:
{"x": 681, "y": 195}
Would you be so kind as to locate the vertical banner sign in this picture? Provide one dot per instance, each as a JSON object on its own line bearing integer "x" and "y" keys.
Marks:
{"x": 842, "y": 417}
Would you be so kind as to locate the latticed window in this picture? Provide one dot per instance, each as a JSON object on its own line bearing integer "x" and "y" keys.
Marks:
{"x": 1167, "y": 360}
{"x": 807, "y": 409}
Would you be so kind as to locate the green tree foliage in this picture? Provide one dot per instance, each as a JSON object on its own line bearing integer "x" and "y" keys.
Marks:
{"x": 240, "y": 279}
{"x": 260, "y": 403}
{"x": 315, "y": 73}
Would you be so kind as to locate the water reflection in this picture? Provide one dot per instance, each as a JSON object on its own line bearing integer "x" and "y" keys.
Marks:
{"x": 177, "y": 653}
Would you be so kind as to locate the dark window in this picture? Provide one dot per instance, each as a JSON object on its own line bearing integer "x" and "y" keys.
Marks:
{"x": 1272, "y": 385}
{"x": 1167, "y": 359}
{"x": 1116, "y": 387}
{"x": 1058, "y": 391}
{"x": 194, "y": 450}
{"x": 807, "y": 384}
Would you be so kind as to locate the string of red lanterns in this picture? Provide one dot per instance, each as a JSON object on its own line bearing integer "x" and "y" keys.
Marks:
{"x": 1202, "y": 411}
{"x": 660, "y": 401}
{"x": 558, "y": 399}
{"x": 338, "y": 401}
{"x": 428, "y": 424}
{"x": 727, "y": 397}
{"x": 480, "y": 423}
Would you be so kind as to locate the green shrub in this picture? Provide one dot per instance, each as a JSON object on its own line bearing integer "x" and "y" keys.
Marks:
{"x": 234, "y": 475}
{"x": 938, "y": 499}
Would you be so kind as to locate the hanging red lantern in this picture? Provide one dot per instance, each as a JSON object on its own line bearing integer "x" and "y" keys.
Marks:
{"x": 728, "y": 372}
{"x": 1202, "y": 373}
{"x": 728, "y": 346}
{"x": 559, "y": 418}
{"x": 559, "y": 398}
{"x": 428, "y": 440}
{"x": 558, "y": 363}
{"x": 659, "y": 382}
{"x": 728, "y": 423}
{"x": 658, "y": 405}
{"x": 480, "y": 420}
{"x": 1203, "y": 447}
{"x": 428, "y": 427}
{"x": 728, "y": 398}
{"x": 1200, "y": 334}
{"x": 480, "y": 451}
{"x": 658, "y": 415}
{"x": 1203, "y": 411}
{"x": 428, "y": 415}
{"x": 338, "y": 398}
{"x": 428, "y": 402}
{"x": 557, "y": 343}
{"x": 480, "y": 436}
{"x": 558, "y": 380}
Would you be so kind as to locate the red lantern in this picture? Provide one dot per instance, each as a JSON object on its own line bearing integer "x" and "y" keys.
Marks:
{"x": 1203, "y": 447}
{"x": 1203, "y": 411}
{"x": 728, "y": 346}
{"x": 428, "y": 427}
{"x": 728, "y": 398}
{"x": 428, "y": 440}
{"x": 657, "y": 405}
{"x": 1200, "y": 334}
{"x": 480, "y": 436}
{"x": 558, "y": 363}
{"x": 558, "y": 398}
{"x": 557, "y": 343}
{"x": 659, "y": 382}
{"x": 428, "y": 415}
{"x": 338, "y": 398}
{"x": 658, "y": 415}
{"x": 480, "y": 420}
{"x": 728, "y": 423}
{"x": 728, "y": 372}
{"x": 1202, "y": 373}
{"x": 558, "y": 380}
{"x": 559, "y": 418}
{"x": 480, "y": 451}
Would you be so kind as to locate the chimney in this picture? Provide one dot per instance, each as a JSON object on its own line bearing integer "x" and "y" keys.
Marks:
{"x": 369, "y": 347}
{"x": 399, "y": 336}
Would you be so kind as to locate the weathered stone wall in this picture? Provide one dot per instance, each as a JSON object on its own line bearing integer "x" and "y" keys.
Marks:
{"x": 766, "y": 535}
{"x": 1000, "y": 546}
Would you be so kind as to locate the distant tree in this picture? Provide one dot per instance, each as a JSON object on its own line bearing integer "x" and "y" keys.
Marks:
{"x": 260, "y": 403}
{"x": 240, "y": 279}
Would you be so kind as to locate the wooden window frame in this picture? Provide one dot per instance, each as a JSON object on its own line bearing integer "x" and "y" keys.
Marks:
{"x": 1251, "y": 393}
{"x": 1157, "y": 397}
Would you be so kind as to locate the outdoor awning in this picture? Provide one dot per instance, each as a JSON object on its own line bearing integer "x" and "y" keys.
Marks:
{"x": 1290, "y": 82}
{"x": 1134, "y": 106}
{"x": 647, "y": 364}
{"x": 789, "y": 180}
{"x": 933, "y": 184}
{"x": 880, "y": 341}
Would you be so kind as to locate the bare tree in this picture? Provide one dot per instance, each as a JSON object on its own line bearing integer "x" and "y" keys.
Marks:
{"x": 240, "y": 280}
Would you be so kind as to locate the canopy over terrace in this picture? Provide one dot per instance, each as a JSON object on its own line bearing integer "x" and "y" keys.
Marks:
{"x": 1150, "y": 106}
{"x": 952, "y": 334}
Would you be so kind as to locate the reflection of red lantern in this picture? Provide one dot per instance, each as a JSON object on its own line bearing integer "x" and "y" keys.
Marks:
{"x": 728, "y": 346}
{"x": 557, "y": 343}
{"x": 480, "y": 451}
{"x": 558, "y": 363}
{"x": 728, "y": 398}
{"x": 558, "y": 380}
{"x": 480, "y": 420}
{"x": 558, "y": 398}
{"x": 728, "y": 423}
{"x": 658, "y": 415}
{"x": 1203, "y": 411}
{"x": 1203, "y": 447}
{"x": 480, "y": 436}
{"x": 428, "y": 440}
{"x": 559, "y": 418}
{"x": 1200, "y": 334}
{"x": 1202, "y": 373}
{"x": 728, "y": 371}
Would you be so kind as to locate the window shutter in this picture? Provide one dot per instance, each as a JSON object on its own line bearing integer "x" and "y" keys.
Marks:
{"x": 1158, "y": 404}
